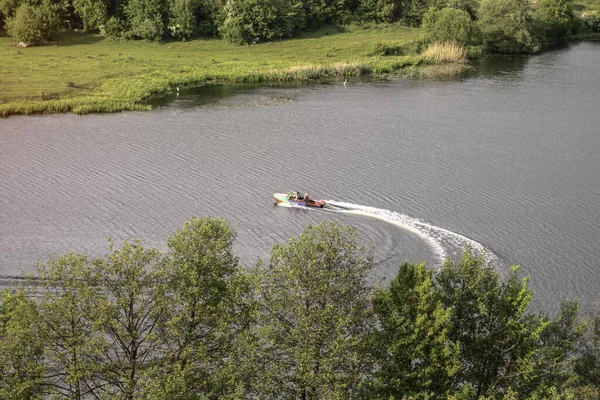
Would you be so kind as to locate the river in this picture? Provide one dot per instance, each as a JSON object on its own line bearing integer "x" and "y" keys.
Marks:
{"x": 505, "y": 158}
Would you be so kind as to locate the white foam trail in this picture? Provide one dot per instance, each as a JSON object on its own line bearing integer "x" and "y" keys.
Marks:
{"x": 439, "y": 239}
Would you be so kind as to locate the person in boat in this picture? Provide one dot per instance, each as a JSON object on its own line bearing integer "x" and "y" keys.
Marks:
{"x": 306, "y": 199}
{"x": 298, "y": 197}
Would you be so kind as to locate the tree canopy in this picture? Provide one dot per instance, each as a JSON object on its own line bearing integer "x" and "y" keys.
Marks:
{"x": 191, "y": 323}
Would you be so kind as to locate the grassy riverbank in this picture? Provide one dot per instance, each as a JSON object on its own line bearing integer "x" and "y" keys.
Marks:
{"x": 84, "y": 73}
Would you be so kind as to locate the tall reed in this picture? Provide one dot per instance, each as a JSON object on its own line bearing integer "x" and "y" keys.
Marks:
{"x": 445, "y": 52}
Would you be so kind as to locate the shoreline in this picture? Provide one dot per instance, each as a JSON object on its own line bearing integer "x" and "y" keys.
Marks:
{"x": 101, "y": 76}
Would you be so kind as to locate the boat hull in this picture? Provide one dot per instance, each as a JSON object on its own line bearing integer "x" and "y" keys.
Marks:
{"x": 286, "y": 199}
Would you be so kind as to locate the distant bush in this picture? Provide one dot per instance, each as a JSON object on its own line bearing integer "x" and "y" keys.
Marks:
{"x": 508, "y": 27}
{"x": 386, "y": 49}
{"x": 252, "y": 21}
{"x": 469, "y": 6}
{"x": 320, "y": 12}
{"x": 32, "y": 24}
{"x": 408, "y": 13}
{"x": 449, "y": 25}
{"x": 8, "y": 8}
{"x": 591, "y": 20}
{"x": 149, "y": 29}
{"x": 25, "y": 26}
{"x": 93, "y": 13}
{"x": 182, "y": 21}
{"x": 557, "y": 19}
{"x": 112, "y": 29}
{"x": 145, "y": 19}
{"x": 474, "y": 52}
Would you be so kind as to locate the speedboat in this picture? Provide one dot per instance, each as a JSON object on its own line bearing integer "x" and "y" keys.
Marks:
{"x": 298, "y": 200}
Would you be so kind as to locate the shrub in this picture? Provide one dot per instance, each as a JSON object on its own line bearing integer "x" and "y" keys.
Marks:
{"x": 469, "y": 6}
{"x": 112, "y": 29}
{"x": 386, "y": 49}
{"x": 557, "y": 19}
{"x": 145, "y": 18}
{"x": 254, "y": 20}
{"x": 449, "y": 25}
{"x": 149, "y": 29}
{"x": 319, "y": 12}
{"x": 32, "y": 24}
{"x": 93, "y": 13}
{"x": 50, "y": 16}
{"x": 25, "y": 26}
{"x": 507, "y": 26}
{"x": 182, "y": 22}
{"x": 591, "y": 20}
{"x": 8, "y": 8}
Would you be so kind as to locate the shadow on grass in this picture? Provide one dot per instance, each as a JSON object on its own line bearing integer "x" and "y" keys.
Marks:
{"x": 327, "y": 30}
{"x": 75, "y": 39}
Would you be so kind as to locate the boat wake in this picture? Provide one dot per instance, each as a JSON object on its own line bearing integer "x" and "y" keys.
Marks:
{"x": 443, "y": 242}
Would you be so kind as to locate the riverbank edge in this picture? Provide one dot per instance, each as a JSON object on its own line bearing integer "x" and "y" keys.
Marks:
{"x": 130, "y": 93}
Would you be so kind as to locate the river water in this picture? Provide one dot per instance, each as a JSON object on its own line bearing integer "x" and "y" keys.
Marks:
{"x": 506, "y": 158}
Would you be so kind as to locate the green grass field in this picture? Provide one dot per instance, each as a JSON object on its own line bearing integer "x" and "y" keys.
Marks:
{"x": 86, "y": 73}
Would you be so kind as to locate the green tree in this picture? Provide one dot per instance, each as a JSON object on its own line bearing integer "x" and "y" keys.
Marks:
{"x": 319, "y": 12}
{"x": 587, "y": 366}
{"x": 507, "y": 26}
{"x": 591, "y": 19}
{"x": 135, "y": 303}
{"x": 34, "y": 23}
{"x": 557, "y": 19}
{"x": 411, "y": 347}
{"x": 146, "y": 18}
{"x": 8, "y": 8}
{"x": 488, "y": 321}
{"x": 21, "y": 347}
{"x": 207, "y": 326}
{"x": 93, "y": 13}
{"x": 314, "y": 313}
{"x": 69, "y": 323}
{"x": 548, "y": 369}
{"x": 449, "y": 25}
{"x": 252, "y": 21}
{"x": 25, "y": 26}
{"x": 182, "y": 19}
{"x": 409, "y": 12}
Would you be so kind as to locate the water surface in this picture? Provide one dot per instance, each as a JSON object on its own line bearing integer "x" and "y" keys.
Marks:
{"x": 508, "y": 157}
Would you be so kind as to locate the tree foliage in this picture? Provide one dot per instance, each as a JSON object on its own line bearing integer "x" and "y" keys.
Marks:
{"x": 32, "y": 24}
{"x": 93, "y": 14}
{"x": 449, "y": 25}
{"x": 252, "y": 21}
{"x": 412, "y": 349}
{"x": 146, "y": 18}
{"x": 557, "y": 18}
{"x": 133, "y": 307}
{"x": 488, "y": 321}
{"x": 21, "y": 347}
{"x": 192, "y": 324}
{"x": 507, "y": 26}
{"x": 206, "y": 328}
{"x": 314, "y": 312}
{"x": 69, "y": 320}
{"x": 182, "y": 20}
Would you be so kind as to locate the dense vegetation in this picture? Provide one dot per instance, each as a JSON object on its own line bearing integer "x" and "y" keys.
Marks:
{"x": 503, "y": 26}
{"x": 190, "y": 323}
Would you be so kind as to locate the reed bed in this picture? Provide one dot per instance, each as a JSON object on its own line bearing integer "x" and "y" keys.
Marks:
{"x": 445, "y": 52}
